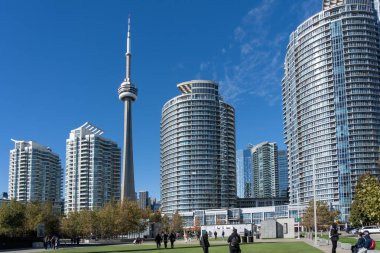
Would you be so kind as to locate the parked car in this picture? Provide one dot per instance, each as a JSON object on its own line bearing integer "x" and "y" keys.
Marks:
{"x": 354, "y": 231}
{"x": 370, "y": 229}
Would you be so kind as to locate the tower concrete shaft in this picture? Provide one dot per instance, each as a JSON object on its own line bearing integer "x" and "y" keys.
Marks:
{"x": 128, "y": 94}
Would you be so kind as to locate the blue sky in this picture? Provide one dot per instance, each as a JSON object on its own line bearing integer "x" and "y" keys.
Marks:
{"x": 62, "y": 61}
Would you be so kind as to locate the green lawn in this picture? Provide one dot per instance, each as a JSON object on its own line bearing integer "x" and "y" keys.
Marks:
{"x": 262, "y": 247}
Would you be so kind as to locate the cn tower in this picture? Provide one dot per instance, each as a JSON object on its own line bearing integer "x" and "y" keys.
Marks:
{"x": 128, "y": 94}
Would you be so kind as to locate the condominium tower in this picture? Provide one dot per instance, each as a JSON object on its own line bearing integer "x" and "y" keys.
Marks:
{"x": 197, "y": 150}
{"x": 244, "y": 177}
{"x": 34, "y": 173}
{"x": 331, "y": 102}
{"x": 265, "y": 170}
{"x": 92, "y": 169}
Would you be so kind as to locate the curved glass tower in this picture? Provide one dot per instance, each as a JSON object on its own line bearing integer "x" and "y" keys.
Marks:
{"x": 198, "y": 168}
{"x": 331, "y": 102}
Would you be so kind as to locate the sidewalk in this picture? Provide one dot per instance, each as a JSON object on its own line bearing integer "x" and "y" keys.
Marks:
{"x": 324, "y": 248}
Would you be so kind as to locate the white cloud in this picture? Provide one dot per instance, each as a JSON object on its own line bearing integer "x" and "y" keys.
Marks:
{"x": 260, "y": 47}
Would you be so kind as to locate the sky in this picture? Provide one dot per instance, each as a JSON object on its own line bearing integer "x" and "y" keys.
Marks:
{"x": 62, "y": 61}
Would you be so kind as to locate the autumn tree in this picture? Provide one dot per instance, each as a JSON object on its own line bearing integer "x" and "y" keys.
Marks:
{"x": 325, "y": 217}
{"x": 72, "y": 225}
{"x": 130, "y": 218}
{"x": 12, "y": 218}
{"x": 365, "y": 206}
{"x": 41, "y": 213}
{"x": 176, "y": 223}
{"x": 165, "y": 223}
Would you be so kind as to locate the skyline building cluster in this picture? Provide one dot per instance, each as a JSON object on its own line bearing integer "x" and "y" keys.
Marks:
{"x": 261, "y": 171}
{"x": 331, "y": 116}
{"x": 331, "y": 102}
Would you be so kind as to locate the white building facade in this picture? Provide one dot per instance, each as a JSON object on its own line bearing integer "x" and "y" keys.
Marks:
{"x": 198, "y": 167}
{"x": 35, "y": 173}
{"x": 92, "y": 169}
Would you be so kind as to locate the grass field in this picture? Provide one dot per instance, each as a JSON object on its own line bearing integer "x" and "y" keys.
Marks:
{"x": 263, "y": 247}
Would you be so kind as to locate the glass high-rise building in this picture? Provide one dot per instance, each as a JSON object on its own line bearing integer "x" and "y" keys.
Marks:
{"x": 282, "y": 173}
{"x": 244, "y": 177}
{"x": 197, "y": 150}
{"x": 92, "y": 169}
{"x": 331, "y": 102}
{"x": 265, "y": 170}
{"x": 35, "y": 173}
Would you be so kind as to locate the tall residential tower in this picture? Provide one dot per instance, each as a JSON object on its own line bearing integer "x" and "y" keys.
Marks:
{"x": 265, "y": 170}
{"x": 128, "y": 94}
{"x": 331, "y": 102}
{"x": 92, "y": 169}
{"x": 35, "y": 173}
{"x": 197, "y": 150}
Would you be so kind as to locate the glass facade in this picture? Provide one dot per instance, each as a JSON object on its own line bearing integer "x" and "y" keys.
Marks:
{"x": 265, "y": 170}
{"x": 198, "y": 169}
{"x": 331, "y": 102}
{"x": 282, "y": 174}
{"x": 244, "y": 176}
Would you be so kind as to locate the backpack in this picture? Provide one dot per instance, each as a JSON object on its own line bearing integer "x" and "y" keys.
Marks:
{"x": 373, "y": 244}
{"x": 234, "y": 242}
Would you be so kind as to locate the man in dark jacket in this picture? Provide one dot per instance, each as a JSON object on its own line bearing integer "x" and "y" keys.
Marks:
{"x": 205, "y": 244}
{"x": 234, "y": 242}
{"x": 334, "y": 236}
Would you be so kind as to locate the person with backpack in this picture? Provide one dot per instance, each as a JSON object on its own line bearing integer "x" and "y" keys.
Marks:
{"x": 205, "y": 244}
{"x": 334, "y": 236}
{"x": 359, "y": 246}
{"x": 369, "y": 244}
{"x": 234, "y": 242}
{"x": 172, "y": 239}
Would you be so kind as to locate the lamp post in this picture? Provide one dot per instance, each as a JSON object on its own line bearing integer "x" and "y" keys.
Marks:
{"x": 314, "y": 199}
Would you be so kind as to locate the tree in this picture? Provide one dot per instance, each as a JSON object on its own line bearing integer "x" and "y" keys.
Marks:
{"x": 165, "y": 223}
{"x": 41, "y": 213}
{"x": 129, "y": 219}
{"x": 176, "y": 224}
{"x": 12, "y": 218}
{"x": 71, "y": 225}
{"x": 365, "y": 206}
{"x": 325, "y": 217}
{"x": 108, "y": 220}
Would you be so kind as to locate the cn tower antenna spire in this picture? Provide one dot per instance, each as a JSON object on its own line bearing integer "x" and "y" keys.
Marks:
{"x": 128, "y": 55}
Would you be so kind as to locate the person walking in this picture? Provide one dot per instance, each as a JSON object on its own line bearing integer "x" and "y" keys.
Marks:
{"x": 223, "y": 234}
{"x": 165, "y": 237}
{"x": 172, "y": 239}
{"x": 234, "y": 242}
{"x": 334, "y": 237}
{"x": 215, "y": 234}
{"x": 205, "y": 244}
{"x": 158, "y": 240}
